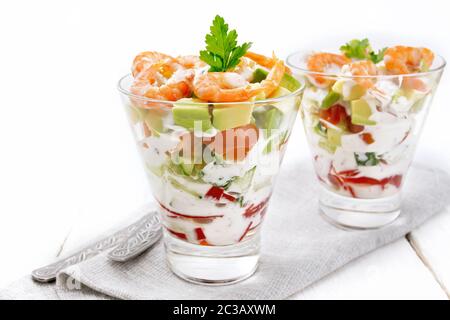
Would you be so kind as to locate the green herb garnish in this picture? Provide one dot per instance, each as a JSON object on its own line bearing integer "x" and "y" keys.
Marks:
{"x": 222, "y": 52}
{"x": 377, "y": 57}
{"x": 367, "y": 159}
{"x": 361, "y": 49}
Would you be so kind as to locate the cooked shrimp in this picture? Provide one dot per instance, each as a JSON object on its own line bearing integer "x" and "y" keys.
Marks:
{"x": 190, "y": 61}
{"x": 246, "y": 68}
{"x": 233, "y": 87}
{"x": 273, "y": 79}
{"x": 151, "y": 84}
{"x": 263, "y": 60}
{"x": 148, "y": 59}
{"x": 322, "y": 62}
{"x": 405, "y": 60}
{"x": 363, "y": 68}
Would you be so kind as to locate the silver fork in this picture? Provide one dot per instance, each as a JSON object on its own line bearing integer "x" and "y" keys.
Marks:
{"x": 126, "y": 244}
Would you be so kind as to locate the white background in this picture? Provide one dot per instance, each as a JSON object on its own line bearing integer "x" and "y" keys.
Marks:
{"x": 67, "y": 157}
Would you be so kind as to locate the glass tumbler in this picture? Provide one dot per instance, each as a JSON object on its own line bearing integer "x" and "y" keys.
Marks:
{"x": 362, "y": 132}
{"x": 211, "y": 168}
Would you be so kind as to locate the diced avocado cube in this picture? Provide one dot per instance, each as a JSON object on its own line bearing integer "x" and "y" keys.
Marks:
{"x": 268, "y": 118}
{"x": 330, "y": 99}
{"x": 285, "y": 105}
{"x": 334, "y": 137}
{"x": 356, "y": 91}
{"x": 259, "y": 75}
{"x": 190, "y": 115}
{"x": 361, "y": 112}
{"x": 325, "y": 144}
{"x": 288, "y": 81}
{"x": 232, "y": 116}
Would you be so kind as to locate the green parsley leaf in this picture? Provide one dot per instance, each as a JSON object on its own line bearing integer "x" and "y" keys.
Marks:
{"x": 377, "y": 57}
{"x": 222, "y": 52}
{"x": 358, "y": 49}
{"x": 367, "y": 159}
{"x": 361, "y": 50}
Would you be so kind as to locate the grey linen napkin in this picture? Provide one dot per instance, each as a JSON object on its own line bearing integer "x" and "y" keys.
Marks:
{"x": 298, "y": 248}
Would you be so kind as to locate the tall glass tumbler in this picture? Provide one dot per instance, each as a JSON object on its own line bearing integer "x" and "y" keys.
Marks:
{"x": 211, "y": 167}
{"x": 363, "y": 140}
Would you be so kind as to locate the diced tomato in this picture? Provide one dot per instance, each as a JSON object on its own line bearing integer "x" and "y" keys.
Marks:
{"x": 179, "y": 235}
{"x": 353, "y": 128}
{"x": 367, "y": 137}
{"x": 246, "y": 231}
{"x": 214, "y": 192}
{"x": 200, "y": 234}
{"x": 235, "y": 144}
{"x": 335, "y": 114}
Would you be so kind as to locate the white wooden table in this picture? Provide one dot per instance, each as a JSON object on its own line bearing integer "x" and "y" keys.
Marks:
{"x": 68, "y": 166}
{"x": 414, "y": 267}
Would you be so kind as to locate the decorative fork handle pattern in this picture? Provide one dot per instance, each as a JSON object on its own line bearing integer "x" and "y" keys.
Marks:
{"x": 139, "y": 241}
{"x": 48, "y": 273}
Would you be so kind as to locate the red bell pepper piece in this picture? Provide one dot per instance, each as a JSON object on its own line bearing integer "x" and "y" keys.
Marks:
{"x": 254, "y": 209}
{"x": 219, "y": 193}
{"x": 215, "y": 192}
{"x": 229, "y": 197}
{"x": 246, "y": 231}
{"x": 200, "y": 234}
{"x": 179, "y": 235}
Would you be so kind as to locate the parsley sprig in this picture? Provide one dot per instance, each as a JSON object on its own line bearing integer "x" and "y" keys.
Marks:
{"x": 222, "y": 52}
{"x": 361, "y": 49}
{"x": 367, "y": 159}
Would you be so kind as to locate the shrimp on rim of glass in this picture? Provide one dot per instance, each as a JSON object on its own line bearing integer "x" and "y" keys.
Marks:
{"x": 233, "y": 87}
{"x": 322, "y": 62}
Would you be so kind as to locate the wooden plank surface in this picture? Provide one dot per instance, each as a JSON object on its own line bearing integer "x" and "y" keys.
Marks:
{"x": 391, "y": 272}
{"x": 432, "y": 243}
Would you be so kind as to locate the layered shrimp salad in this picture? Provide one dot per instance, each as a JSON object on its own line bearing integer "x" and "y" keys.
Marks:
{"x": 212, "y": 130}
{"x": 362, "y": 111}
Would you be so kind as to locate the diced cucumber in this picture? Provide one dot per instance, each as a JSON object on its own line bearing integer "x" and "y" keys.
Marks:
{"x": 182, "y": 187}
